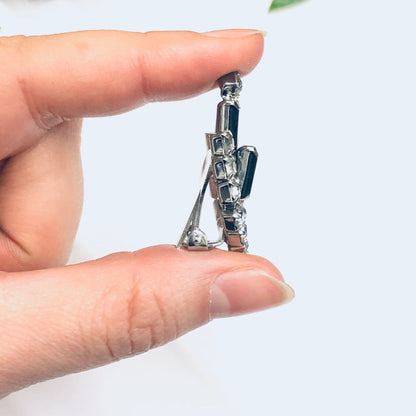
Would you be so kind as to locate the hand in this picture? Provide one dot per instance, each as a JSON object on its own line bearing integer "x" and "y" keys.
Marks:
{"x": 56, "y": 320}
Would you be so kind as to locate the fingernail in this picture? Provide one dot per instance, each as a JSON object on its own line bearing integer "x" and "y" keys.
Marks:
{"x": 235, "y": 33}
{"x": 246, "y": 291}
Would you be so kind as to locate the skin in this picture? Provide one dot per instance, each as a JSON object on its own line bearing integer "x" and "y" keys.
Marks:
{"x": 57, "y": 319}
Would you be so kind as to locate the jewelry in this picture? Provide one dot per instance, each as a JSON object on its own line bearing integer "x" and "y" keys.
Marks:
{"x": 229, "y": 171}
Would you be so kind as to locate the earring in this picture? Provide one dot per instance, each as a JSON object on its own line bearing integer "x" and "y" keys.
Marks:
{"x": 229, "y": 172}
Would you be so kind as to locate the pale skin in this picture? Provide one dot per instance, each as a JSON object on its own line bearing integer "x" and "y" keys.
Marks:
{"x": 57, "y": 319}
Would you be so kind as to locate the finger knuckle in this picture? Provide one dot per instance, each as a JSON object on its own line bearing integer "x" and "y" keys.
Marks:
{"x": 133, "y": 315}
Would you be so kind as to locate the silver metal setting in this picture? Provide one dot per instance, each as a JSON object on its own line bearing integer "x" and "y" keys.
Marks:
{"x": 229, "y": 172}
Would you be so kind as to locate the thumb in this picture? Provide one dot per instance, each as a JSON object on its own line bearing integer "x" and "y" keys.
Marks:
{"x": 77, "y": 317}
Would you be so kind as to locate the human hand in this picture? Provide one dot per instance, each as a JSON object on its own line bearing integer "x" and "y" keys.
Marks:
{"x": 57, "y": 320}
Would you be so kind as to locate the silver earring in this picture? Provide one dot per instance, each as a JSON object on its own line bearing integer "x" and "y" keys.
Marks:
{"x": 229, "y": 172}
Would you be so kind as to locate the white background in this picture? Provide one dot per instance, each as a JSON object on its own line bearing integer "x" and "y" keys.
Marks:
{"x": 331, "y": 109}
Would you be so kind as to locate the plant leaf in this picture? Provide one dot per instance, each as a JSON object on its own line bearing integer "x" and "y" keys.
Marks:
{"x": 278, "y": 4}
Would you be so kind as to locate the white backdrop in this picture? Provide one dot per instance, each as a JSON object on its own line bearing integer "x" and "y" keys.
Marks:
{"x": 331, "y": 109}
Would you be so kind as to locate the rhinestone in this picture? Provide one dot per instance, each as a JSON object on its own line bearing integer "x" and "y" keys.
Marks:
{"x": 244, "y": 241}
{"x": 239, "y": 214}
{"x": 230, "y": 167}
{"x": 219, "y": 170}
{"x": 225, "y": 195}
{"x": 230, "y": 86}
{"x": 235, "y": 190}
{"x": 247, "y": 160}
{"x": 243, "y": 230}
{"x": 233, "y": 121}
{"x": 222, "y": 145}
{"x": 229, "y": 192}
{"x": 197, "y": 238}
{"x": 225, "y": 169}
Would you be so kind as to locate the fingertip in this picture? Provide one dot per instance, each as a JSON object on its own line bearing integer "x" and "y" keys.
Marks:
{"x": 107, "y": 72}
{"x": 251, "y": 40}
{"x": 234, "y": 33}
{"x": 238, "y": 283}
{"x": 246, "y": 291}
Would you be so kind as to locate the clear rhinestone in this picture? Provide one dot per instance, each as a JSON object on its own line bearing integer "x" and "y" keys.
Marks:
{"x": 224, "y": 193}
{"x": 230, "y": 167}
{"x": 219, "y": 170}
{"x": 231, "y": 86}
{"x": 244, "y": 241}
{"x": 243, "y": 230}
{"x": 239, "y": 215}
{"x": 230, "y": 93}
{"x": 229, "y": 192}
{"x": 222, "y": 145}
{"x": 197, "y": 238}
{"x": 225, "y": 168}
{"x": 235, "y": 190}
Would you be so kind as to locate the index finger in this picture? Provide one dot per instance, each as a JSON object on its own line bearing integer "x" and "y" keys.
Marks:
{"x": 51, "y": 78}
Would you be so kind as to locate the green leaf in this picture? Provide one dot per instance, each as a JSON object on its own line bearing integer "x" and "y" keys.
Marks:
{"x": 278, "y": 4}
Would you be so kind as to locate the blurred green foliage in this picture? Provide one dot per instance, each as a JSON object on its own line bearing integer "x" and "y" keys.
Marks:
{"x": 278, "y": 4}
